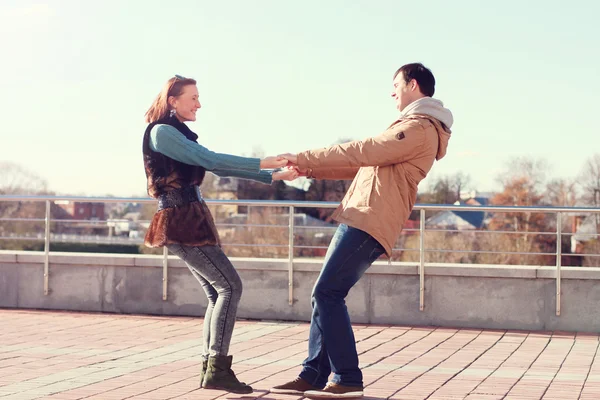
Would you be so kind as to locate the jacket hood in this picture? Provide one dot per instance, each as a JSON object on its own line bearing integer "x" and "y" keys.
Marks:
{"x": 442, "y": 119}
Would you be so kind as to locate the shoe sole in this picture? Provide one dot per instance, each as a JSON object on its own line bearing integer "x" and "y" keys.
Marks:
{"x": 314, "y": 394}
{"x": 285, "y": 391}
{"x": 227, "y": 390}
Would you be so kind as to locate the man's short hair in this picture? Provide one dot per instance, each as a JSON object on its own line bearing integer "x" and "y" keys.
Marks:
{"x": 421, "y": 74}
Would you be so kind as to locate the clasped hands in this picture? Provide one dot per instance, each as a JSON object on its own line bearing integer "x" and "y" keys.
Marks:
{"x": 288, "y": 162}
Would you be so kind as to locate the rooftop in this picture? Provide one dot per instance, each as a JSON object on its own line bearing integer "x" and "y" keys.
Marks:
{"x": 69, "y": 356}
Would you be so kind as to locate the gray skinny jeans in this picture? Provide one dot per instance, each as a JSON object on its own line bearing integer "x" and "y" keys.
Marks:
{"x": 223, "y": 287}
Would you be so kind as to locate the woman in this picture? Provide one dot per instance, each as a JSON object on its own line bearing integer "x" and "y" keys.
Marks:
{"x": 175, "y": 166}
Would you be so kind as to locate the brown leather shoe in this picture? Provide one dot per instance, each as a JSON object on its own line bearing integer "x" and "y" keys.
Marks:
{"x": 297, "y": 386}
{"x": 335, "y": 391}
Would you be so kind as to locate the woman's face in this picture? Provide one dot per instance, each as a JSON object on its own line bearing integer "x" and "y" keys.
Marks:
{"x": 186, "y": 104}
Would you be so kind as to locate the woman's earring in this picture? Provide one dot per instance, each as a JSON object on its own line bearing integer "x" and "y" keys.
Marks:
{"x": 172, "y": 113}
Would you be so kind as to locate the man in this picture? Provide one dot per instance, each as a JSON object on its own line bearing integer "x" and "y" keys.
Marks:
{"x": 386, "y": 170}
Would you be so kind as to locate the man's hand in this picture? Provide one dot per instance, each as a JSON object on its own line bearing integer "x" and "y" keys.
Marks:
{"x": 273, "y": 162}
{"x": 288, "y": 174}
{"x": 301, "y": 172}
{"x": 291, "y": 158}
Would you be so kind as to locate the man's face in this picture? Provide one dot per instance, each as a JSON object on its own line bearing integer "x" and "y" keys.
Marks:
{"x": 402, "y": 92}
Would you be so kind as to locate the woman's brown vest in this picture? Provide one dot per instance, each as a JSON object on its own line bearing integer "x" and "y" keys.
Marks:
{"x": 181, "y": 218}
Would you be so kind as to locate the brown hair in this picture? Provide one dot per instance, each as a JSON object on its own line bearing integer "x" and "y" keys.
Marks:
{"x": 160, "y": 106}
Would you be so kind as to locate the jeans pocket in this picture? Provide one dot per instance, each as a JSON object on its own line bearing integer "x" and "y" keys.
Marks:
{"x": 376, "y": 252}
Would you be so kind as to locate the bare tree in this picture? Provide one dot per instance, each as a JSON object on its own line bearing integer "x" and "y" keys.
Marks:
{"x": 590, "y": 181}
{"x": 523, "y": 185}
{"x": 561, "y": 192}
{"x": 534, "y": 170}
{"x": 15, "y": 179}
{"x": 446, "y": 189}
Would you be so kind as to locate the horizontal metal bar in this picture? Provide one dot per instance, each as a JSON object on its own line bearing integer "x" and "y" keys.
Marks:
{"x": 66, "y": 238}
{"x": 147, "y": 200}
{"x": 23, "y": 219}
{"x": 252, "y": 225}
{"x": 487, "y": 252}
{"x": 125, "y": 240}
{"x": 579, "y": 234}
{"x": 306, "y": 204}
{"x": 84, "y": 221}
{"x": 274, "y": 203}
{"x": 254, "y": 245}
{"x": 488, "y": 231}
{"x": 310, "y": 247}
{"x": 21, "y": 238}
{"x": 326, "y": 247}
{"x": 275, "y": 226}
{"x": 508, "y": 209}
{"x": 82, "y": 199}
{"x": 98, "y": 221}
{"x": 329, "y": 228}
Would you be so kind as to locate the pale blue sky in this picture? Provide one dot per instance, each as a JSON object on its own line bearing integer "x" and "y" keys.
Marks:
{"x": 77, "y": 76}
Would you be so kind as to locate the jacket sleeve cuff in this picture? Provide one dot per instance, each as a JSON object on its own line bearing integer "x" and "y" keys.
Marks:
{"x": 302, "y": 161}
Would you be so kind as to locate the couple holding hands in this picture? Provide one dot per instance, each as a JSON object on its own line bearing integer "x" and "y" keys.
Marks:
{"x": 385, "y": 169}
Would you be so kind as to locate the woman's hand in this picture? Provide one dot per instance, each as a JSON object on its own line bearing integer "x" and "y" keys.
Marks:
{"x": 273, "y": 162}
{"x": 292, "y": 159}
{"x": 288, "y": 174}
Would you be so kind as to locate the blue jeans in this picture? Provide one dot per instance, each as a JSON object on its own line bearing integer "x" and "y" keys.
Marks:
{"x": 331, "y": 343}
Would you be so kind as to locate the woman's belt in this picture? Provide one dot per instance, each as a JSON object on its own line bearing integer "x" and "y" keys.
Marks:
{"x": 179, "y": 197}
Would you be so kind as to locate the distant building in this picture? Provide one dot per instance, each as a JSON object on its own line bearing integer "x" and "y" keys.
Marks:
{"x": 585, "y": 228}
{"x": 88, "y": 218}
{"x": 82, "y": 210}
{"x": 463, "y": 220}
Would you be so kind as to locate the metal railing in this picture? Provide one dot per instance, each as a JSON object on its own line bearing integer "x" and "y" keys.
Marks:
{"x": 559, "y": 212}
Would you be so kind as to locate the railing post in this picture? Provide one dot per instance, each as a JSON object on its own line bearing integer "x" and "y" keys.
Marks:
{"x": 47, "y": 249}
{"x": 422, "y": 259}
{"x": 165, "y": 279}
{"x": 291, "y": 257}
{"x": 558, "y": 259}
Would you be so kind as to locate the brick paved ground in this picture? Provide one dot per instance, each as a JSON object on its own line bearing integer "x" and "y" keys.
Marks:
{"x": 68, "y": 356}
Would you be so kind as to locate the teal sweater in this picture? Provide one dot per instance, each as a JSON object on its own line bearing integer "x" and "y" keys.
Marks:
{"x": 169, "y": 141}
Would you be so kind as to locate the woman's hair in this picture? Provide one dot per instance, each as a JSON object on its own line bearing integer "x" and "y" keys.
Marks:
{"x": 160, "y": 106}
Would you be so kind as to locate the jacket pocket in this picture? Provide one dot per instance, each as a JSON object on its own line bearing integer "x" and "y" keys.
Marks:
{"x": 360, "y": 191}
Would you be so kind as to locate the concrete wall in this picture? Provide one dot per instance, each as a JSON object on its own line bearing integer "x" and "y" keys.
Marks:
{"x": 477, "y": 296}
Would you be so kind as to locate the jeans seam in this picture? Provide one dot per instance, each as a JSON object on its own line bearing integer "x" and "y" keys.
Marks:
{"x": 205, "y": 346}
{"x": 320, "y": 359}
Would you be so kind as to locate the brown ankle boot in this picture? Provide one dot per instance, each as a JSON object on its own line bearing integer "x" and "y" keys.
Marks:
{"x": 203, "y": 367}
{"x": 220, "y": 376}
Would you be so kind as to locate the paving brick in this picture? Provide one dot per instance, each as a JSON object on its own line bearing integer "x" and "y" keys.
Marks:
{"x": 113, "y": 357}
